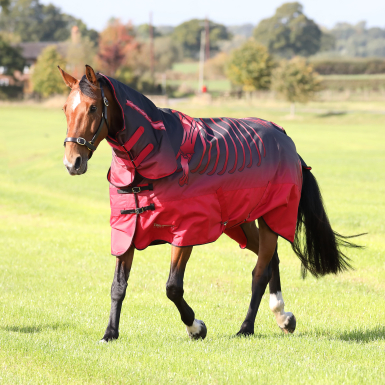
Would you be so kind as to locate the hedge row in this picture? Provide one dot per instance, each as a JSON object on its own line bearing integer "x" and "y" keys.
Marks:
{"x": 349, "y": 67}
{"x": 11, "y": 92}
{"x": 353, "y": 84}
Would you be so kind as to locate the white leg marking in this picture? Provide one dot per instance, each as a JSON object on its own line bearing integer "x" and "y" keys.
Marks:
{"x": 277, "y": 307}
{"x": 195, "y": 328}
{"x": 76, "y": 100}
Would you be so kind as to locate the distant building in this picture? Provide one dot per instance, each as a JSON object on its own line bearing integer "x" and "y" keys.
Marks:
{"x": 30, "y": 52}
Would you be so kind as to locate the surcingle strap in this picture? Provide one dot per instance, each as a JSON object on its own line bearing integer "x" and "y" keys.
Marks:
{"x": 139, "y": 210}
{"x": 136, "y": 189}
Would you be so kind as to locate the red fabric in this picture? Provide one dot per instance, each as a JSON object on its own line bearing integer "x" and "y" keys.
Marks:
{"x": 238, "y": 235}
{"x": 209, "y": 176}
{"x": 198, "y": 220}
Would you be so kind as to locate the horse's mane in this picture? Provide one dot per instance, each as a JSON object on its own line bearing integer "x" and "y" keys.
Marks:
{"x": 87, "y": 88}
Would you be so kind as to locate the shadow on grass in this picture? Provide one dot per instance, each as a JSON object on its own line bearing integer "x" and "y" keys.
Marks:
{"x": 35, "y": 328}
{"x": 332, "y": 113}
{"x": 377, "y": 333}
{"x": 356, "y": 335}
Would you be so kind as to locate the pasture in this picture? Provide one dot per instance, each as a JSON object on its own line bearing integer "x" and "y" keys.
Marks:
{"x": 56, "y": 270}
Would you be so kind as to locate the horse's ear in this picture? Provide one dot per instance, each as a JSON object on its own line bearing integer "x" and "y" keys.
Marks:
{"x": 69, "y": 80}
{"x": 90, "y": 75}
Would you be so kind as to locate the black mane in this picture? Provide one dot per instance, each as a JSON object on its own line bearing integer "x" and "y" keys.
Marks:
{"x": 87, "y": 88}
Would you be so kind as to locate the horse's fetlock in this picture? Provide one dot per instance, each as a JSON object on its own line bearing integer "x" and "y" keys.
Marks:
{"x": 174, "y": 293}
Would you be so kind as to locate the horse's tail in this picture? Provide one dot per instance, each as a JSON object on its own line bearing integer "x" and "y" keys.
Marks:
{"x": 315, "y": 242}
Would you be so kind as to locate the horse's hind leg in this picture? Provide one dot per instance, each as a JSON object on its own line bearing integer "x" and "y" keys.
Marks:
{"x": 118, "y": 292}
{"x": 174, "y": 288}
{"x": 262, "y": 272}
{"x": 286, "y": 321}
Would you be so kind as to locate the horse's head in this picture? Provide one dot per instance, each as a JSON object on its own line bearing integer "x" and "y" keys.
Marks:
{"x": 85, "y": 120}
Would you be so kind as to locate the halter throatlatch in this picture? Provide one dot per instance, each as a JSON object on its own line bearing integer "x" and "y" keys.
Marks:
{"x": 91, "y": 144}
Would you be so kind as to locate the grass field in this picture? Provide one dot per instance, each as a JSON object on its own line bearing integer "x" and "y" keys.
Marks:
{"x": 186, "y": 68}
{"x": 56, "y": 271}
{"x": 331, "y": 82}
{"x": 212, "y": 85}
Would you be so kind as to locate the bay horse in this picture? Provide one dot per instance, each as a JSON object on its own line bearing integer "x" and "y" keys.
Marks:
{"x": 185, "y": 181}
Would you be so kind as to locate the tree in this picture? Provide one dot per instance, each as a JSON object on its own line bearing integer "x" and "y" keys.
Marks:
{"x": 10, "y": 58}
{"x": 4, "y": 4}
{"x": 358, "y": 40}
{"x": 33, "y": 21}
{"x": 188, "y": 34}
{"x": 289, "y": 32}
{"x": 296, "y": 81}
{"x": 250, "y": 66}
{"x": 166, "y": 53}
{"x": 215, "y": 68}
{"x": 46, "y": 78}
{"x": 328, "y": 42}
{"x": 80, "y": 50}
{"x": 142, "y": 31}
{"x": 116, "y": 44}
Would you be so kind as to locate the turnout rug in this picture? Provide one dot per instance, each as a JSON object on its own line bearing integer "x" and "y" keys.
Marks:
{"x": 185, "y": 181}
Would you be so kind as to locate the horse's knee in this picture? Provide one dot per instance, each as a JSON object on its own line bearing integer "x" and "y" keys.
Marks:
{"x": 174, "y": 293}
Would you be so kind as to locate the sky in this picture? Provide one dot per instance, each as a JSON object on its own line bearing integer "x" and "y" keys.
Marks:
{"x": 96, "y": 13}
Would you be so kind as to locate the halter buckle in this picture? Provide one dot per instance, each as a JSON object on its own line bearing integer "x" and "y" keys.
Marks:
{"x": 136, "y": 190}
{"x": 105, "y": 100}
{"x": 139, "y": 210}
{"x": 81, "y": 141}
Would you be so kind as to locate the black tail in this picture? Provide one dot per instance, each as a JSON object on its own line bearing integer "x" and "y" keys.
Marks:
{"x": 315, "y": 243}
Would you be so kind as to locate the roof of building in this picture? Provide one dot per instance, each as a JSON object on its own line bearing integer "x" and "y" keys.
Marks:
{"x": 31, "y": 50}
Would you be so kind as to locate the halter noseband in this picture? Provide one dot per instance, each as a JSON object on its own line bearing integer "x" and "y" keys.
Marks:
{"x": 90, "y": 145}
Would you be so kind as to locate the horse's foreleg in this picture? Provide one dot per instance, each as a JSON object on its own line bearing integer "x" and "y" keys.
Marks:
{"x": 118, "y": 292}
{"x": 286, "y": 321}
{"x": 265, "y": 248}
{"x": 174, "y": 288}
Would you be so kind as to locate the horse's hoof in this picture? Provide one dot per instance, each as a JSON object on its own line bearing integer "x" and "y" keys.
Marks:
{"x": 197, "y": 330}
{"x": 245, "y": 333}
{"x": 247, "y": 329}
{"x": 290, "y": 325}
{"x": 109, "y": 335}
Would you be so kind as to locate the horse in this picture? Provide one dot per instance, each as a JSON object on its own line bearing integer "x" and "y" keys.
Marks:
{"x": 185, "y": 181}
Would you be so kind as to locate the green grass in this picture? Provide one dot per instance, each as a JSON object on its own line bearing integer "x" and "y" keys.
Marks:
{"x": 186, "y": 68}
{"x": 212, "y": 85}
{"x": 56, "y": 271}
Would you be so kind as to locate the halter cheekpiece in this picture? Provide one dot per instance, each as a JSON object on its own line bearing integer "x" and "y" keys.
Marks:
{"x": 83, "y": 142}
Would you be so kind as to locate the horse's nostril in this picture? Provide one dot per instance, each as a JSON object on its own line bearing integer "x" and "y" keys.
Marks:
{"x": 78, "y": 162}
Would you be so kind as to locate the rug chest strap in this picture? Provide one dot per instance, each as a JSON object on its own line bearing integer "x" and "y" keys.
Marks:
{"x": 136, "y": 189}
{"x": 139, "y": 210}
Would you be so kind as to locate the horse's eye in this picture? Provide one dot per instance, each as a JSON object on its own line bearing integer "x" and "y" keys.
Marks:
{"x": 93, "y": 108}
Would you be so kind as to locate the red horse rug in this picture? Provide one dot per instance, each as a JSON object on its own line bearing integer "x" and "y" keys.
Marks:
{"x": 185, "y": 181}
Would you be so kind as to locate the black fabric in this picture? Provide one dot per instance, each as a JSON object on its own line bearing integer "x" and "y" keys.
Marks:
{"x": 153, "y": 153}
{"x": 136, "y": 189}
{"x": 139, "y": 210}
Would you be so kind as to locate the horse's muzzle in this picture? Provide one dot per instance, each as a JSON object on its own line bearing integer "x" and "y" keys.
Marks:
{"x": 78, "y": 168}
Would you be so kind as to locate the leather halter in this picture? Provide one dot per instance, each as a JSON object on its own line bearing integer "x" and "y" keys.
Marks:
{"x": 83, "y": 142}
